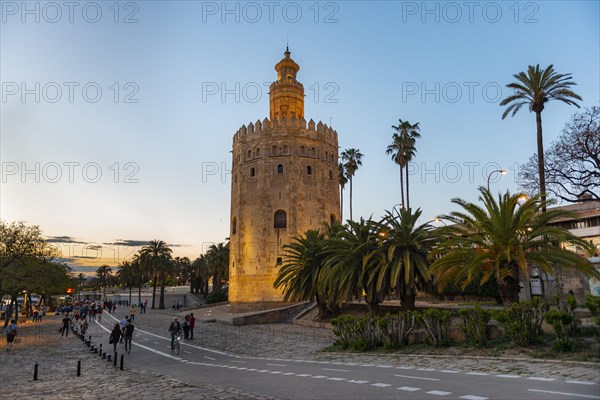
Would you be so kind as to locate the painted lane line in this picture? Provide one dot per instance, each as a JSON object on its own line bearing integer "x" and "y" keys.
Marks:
{"x": 367, "y": 365}
{"x": 336, "y": 379}
{"x": 145, "y": 338}
{"x": 438, "y": 392}
{"x": 384, "y": 366}
{"x": 333, "y": 369}
{"x": 409, "y": 388}
{"x": 417, "y": 377}
{"x": 381, "y": 384}
{"x": 478, "y": 373}
{"x": 276, "y": 365}
{"x": 507, "y": 376}
{"x": 585, "y": 396}
{"x": 536, "y": 378}
{"x": 252, "y": 369}
{"x": 276, "y": 372}
{"x": 210, "y": 358}
{"x": 319, "y": 376}
{"x": 471, "y": 397}
{"x": 403, "y": 367}
{"x": 449, "y": 371}
{"x": 581, "y": 382}
{"x": 263, "y": 370}
{"x": 357, "y": 381}
{"x": 288, "y": 373}
{"x": 236, "y": 361}
{"x": 425, "y": 369}
{"x": 303, "y": 375}
{"x": 157, "y": 343}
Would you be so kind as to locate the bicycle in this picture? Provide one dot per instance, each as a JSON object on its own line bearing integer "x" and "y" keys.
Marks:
{"x": 176, "y": 344}
{"x": 128, "y": 344}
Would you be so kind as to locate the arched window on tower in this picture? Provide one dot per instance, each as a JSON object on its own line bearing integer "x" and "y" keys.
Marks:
{"x": 308, "y": 170}
{"x": 234, "y": 226}
{"x": 280, "y": 219}
{"x": 257, "y": 151}
{"x": 313, "y": 152}
{"x": 249, "y": 154}
{"x": 327, "y": 156}
{"x": 252, "y": 171}
{"x": 302, "y": 150}
{"x": 330, "y": 174}
{"x": 280, "y": 169}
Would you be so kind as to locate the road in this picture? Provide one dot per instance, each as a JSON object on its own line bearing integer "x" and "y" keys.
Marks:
{"x": 296, "y": 379}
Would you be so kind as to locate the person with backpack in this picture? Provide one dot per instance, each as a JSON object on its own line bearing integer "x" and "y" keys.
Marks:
{"x": 115, "y": 336}
{"x": 128, "y": 336}
{"x": 11, "y": 331}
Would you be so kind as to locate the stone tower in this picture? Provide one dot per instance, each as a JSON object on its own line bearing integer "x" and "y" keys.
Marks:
{"x": 284, "y": 182}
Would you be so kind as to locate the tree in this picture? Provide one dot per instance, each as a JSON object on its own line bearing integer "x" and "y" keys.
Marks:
{"x": 217, "y": 259}
{"x": 103, "y": 272}
{"x": 401, "y": 263}
{"x": 502, "y": 239}
{"x": 572, "y": 163}
{"x": 181, "y": 267}
{"x": 299, "y": 273}
{"x": 155, "y": 258}
{"x": 200, "y": 276}
{"x": 352, "y": 159}
{"x": 403, "y": 150}
{"x": 342, "y": 180}
{"x": 127, "y": 276}
{"x": 534, "y": 88}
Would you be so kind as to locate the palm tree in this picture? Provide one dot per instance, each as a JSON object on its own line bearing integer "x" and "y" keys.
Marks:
{"x": 342, "y": 180}
{"x": 126, "y": 276}
{"x": 534, "y": 88}
{"x": 155, "y": 257}
{"x": 103, "y": 273}
{"x": 217, "y": 258}
{"x": 299, "y": 273}
{"x": 403, "y": 150}
{"x": 81, "y": 280}
{"x": 396, "y": 150}
{"x": 400, "y": 263}
{"x": 201, "y": 275}
{"x": 352, "y": 160}
{"x": 502, "y": 239}
{"x": 181, "y": 268}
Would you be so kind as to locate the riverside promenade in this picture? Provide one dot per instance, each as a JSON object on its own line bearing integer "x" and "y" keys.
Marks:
{"x": 57, "y": 358}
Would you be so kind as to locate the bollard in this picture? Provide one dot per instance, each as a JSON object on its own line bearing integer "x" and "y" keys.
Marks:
{"x": 78, "y": 367}
{"x": 115, "y": 360}
{"x": 121, "y": 365}
{"x": 100, "y": 350}
{"x": 35, "y": 372}
{"x": 104, "y": 355}
{"x": 108, "y": 358}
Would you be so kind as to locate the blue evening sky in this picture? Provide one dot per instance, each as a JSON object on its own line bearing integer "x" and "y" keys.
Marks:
{"x": 120, "y": 132}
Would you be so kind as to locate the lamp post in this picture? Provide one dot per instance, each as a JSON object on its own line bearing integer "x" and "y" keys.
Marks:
{"x": 500, "y": 171}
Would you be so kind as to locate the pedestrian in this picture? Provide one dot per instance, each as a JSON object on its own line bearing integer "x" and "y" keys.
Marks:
{"x": 128, "y": 336}
{"x": 174, "y": 330}
{"x": 186, "y": 327}
{"x": 114, "y": 308}
{"x": 145, "y": 305}
{"x": 123, "y": 325}
{"x": 179, "y": 305}
{"x": 115, "y": 336}
{"x": 174, "y": 305}
{"x": 84, "y": 327}
{"x": 192, "y": 325}
{"x": 132, "y": 313}
{"x": 11, "y": 331}
{"x": 64, "y": 330}
{"x": 100, "y": 310}
{"x": 36, "y": 314}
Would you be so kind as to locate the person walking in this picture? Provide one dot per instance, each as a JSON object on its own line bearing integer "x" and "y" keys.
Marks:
{"x": 123, "y": 325}
{"x": 192, "y": 325}
{"x": 115, "y": 336}
{"x": 66, "y": 322}
{"x": 174, "y": 330}
{"x": 185, "y": 325}
{"x": 132, "y": 313}
{"x": 12, "y": 330}
{"x": 100, "y": 311}
{"x": 129, "y": 328}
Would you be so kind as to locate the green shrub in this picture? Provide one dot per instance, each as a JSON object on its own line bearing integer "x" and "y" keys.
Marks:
{"x": 562, "y": 323}
{"x": 358, "y": 333}
{"x": 395, "y": 328}
{"x": 522, "y": 322}
{"x": 592, "y": 303}
{"x": 216, "y": 296}
{"x": 436, "y": 324}
{"x": 475, "y": 321}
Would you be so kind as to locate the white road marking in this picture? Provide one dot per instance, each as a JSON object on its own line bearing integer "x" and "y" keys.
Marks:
{"x": 439, "y": 392}
{"x": 536, "y": 378}
{"x": 384, "y": 366}
{"x": 288, "y": 373}
{"x": 336, "y": 379}
{"x": 471, "y": 397}
{"x": 157, "y": 343}
{"x": 210, "y": 358}
{"x": 319, "y": 376}
{"x": 357, "y": 381}
{"x": 449, "y": 371}
{"x": 252, "y": 369}
{"x": 264, "y": 370}
{"x": 425, "y": 369}
{"x": 380, "y": 384}
{"x": 507, "y": 376}
{"x": 145, "y": 338}
{"x": 409, "y": 388}
{"x": 333, "y": 369}
{"x": 581, "y": 382}
{"x": 275, "y": 372}
{"x": 241, "y": 362}
{"x": 303, "y": 375}
{"x": 277, "y": 365}
{"x": 417, "y": 377}
{"x": 402, "y": 367}
{"x": 586, "y": 396}
{"x": 367, "y": 365}
{"x": 478, "y": 373}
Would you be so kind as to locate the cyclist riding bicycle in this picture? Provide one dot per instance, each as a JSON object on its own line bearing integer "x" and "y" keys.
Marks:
{"x": 174, "y": 330}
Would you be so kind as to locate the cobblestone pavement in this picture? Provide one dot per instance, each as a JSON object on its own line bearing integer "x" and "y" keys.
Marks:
{"x": 57, "y": 359}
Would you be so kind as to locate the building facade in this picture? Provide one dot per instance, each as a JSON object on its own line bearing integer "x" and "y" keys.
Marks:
{"x": 284, "y": 182}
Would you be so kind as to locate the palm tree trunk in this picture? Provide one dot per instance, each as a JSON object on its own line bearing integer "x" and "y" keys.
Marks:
{"x": 154, "y": 290}
{"x": 130, "y": 288}
{"x": 407, "y": 197}
{"x": 407, "y": 297}
{"x": 540, "y": 150}
{"x": 161, "y": 303}
{"x": 351, "y": 198}
{"x": 373, "y": 308}
{"x": 140, "y": 289}
{"x": 509, "y": 288}
{"x": 401, "y": 187}
{"x": 342, "y": 205}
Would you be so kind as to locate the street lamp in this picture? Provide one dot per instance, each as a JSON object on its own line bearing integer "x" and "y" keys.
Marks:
{"x": 501, "y": 171}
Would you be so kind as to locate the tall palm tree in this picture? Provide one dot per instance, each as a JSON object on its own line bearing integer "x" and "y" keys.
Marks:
{"x": 81, "y": 280}
{"x": 342, "y": 180}
{"x": 534, "y": 88}
{"x": 155, "y": 257}
{"x": 352, "y": 160}
{"x": 126, "y": 276}
{"x": 403, "y": 150}
{"x": 299, "y": 273}
{"x": 201, "y": 275}
{"x": 396, "y": 150}
{"x": 401, "y": 261}
{"x": 181, "y": 268}
{"x": 138, "y": 273}
{"x": 217, "y": 258}
{"x": 502, "y": 239}
{"x": 103, "y": 272}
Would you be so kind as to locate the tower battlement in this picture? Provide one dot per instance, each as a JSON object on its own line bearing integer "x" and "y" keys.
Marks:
{"x": 267, "y": 126}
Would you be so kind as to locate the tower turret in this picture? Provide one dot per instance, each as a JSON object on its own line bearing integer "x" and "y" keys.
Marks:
{"x": 286, "y": 93}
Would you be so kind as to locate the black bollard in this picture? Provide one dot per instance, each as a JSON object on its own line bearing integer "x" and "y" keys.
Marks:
{"x": 100, "y": 349}
{"x": 104, "y": 355}
{"x": 78, "y": 367}
{"x": 35, "y": 372}
{"x": 108, "y": 358}
{"x": 115, "y": 360}
{"x": 121, "y": 365}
